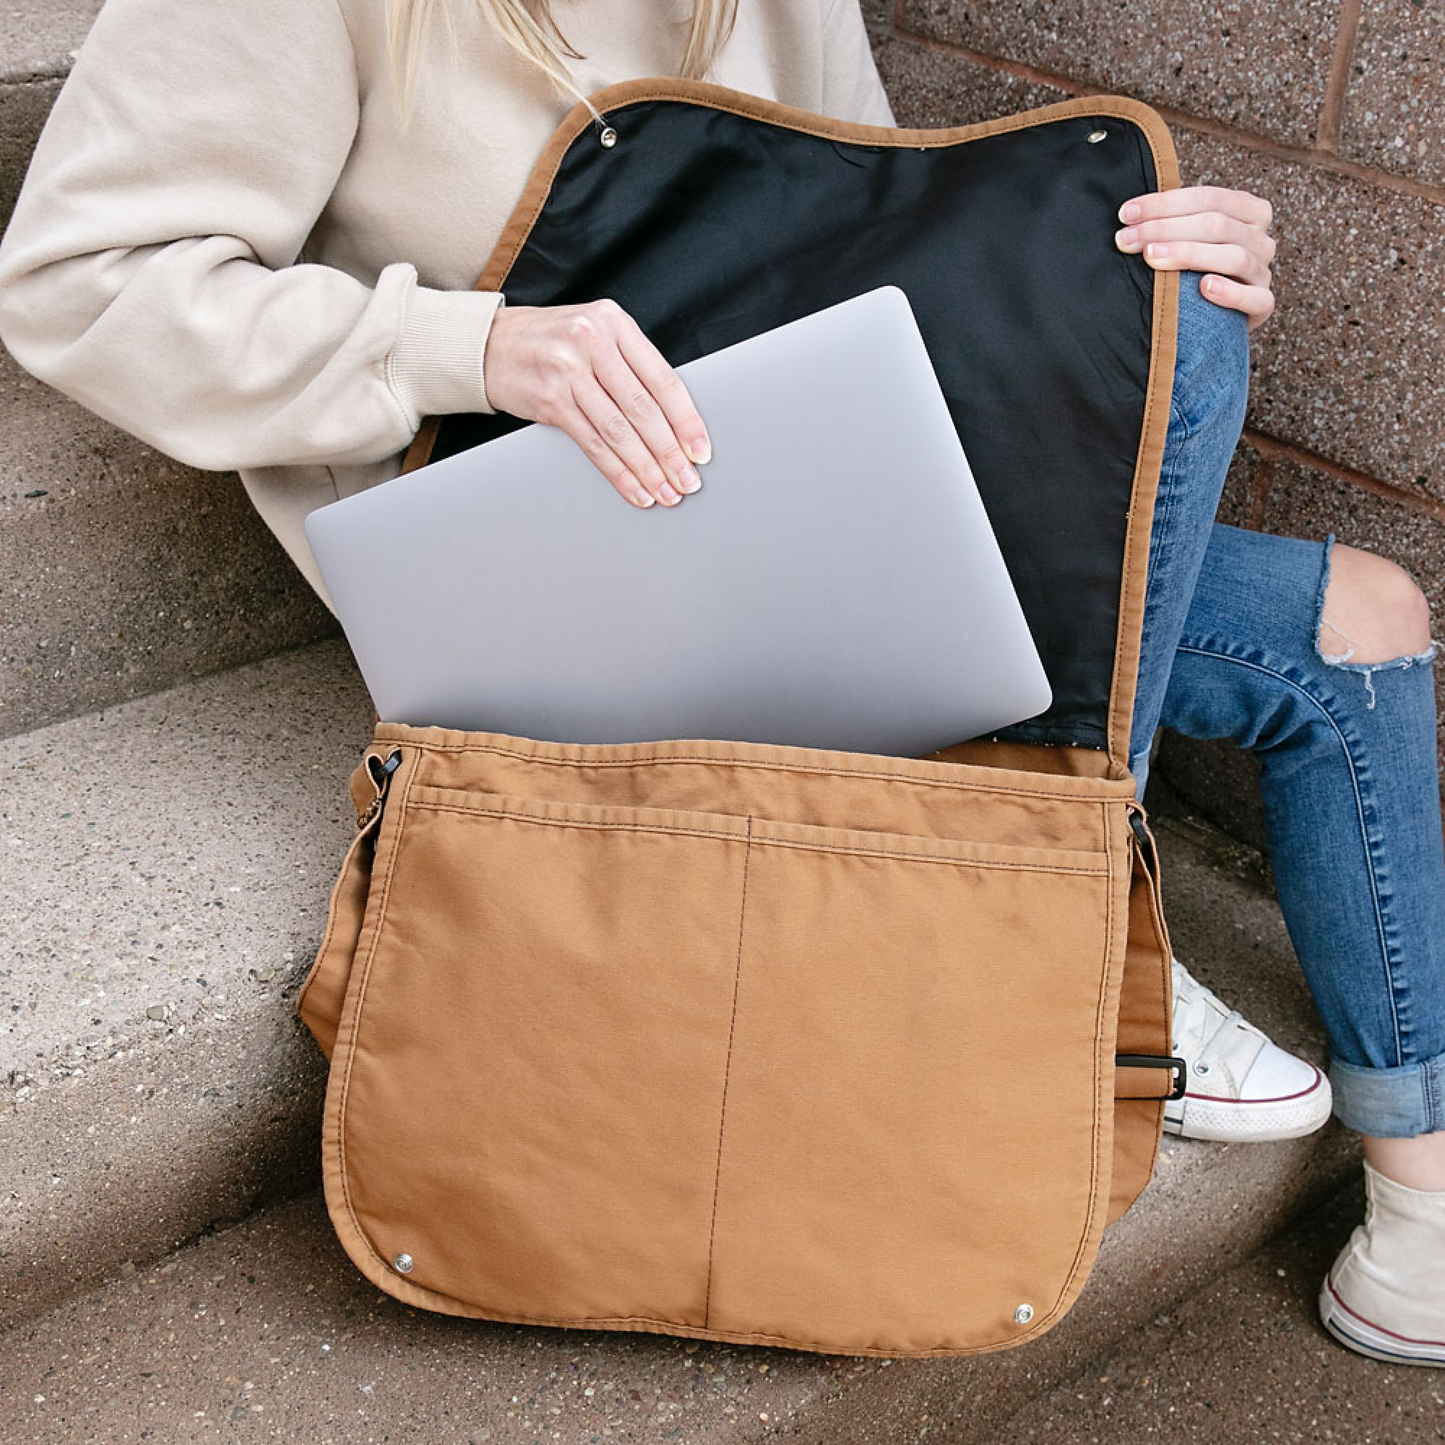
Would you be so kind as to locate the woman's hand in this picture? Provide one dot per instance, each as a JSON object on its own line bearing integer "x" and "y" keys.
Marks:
{"x": 1223, "y": 233}
{"x": 590, "y": 371}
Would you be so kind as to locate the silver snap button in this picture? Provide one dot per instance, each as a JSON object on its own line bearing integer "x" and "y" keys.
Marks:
{"x": 1023, "y": 1314}
{"x": 402, "y": 1264}
{"x": 1096, "y": 136}
{"x": 608, "y": 138}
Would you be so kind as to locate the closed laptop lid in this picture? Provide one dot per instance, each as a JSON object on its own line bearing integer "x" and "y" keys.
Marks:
{"x": 835, "y": 582}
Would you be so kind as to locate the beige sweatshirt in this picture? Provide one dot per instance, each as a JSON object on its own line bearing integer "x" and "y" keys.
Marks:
{"x": 224, "y": 245}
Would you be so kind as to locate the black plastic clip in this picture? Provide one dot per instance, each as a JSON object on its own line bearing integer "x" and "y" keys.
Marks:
{"x": 1143, "y": 839}
{"x": 1158, "y": 1061}
{"x": 380, "y": 770}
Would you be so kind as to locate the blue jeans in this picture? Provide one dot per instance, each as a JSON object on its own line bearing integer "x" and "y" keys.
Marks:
{"x": 1349, "y": 774}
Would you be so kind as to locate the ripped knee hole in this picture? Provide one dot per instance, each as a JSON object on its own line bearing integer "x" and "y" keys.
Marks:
{"x": 1366, "y": 668}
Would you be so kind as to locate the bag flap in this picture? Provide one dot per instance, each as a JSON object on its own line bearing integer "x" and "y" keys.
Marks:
{"x": 716, "y": 215}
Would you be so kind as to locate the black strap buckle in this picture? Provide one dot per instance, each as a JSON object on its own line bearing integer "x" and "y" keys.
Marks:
{"x": 1158, "y": 1061}
{"x": 380, "y": 770}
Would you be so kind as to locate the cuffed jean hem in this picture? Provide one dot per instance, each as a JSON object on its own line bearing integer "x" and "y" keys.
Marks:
{"x": 1390, "y": 1103}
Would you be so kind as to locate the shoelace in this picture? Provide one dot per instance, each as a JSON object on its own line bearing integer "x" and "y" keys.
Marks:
{"x": 1199, "y": 1006}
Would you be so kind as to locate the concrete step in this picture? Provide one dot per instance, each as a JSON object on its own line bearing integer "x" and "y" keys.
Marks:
{"x": 38, "y": 41}
{"x": 266, "y": 1331}
{"x": 41, "y": 36}
{"x": 123, "y": 571}
{"x": 166, "y": 870}
{"x": 1246, "y": 1359}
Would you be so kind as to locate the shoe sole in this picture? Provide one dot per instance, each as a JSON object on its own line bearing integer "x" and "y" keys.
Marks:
{"x": 1364, "y": 1337}
{"x": 1250, "y": 1121}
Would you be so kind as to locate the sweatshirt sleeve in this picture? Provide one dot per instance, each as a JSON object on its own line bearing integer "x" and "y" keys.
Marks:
{"x": 150, "y": 270}
{"x": 852, "y": 88}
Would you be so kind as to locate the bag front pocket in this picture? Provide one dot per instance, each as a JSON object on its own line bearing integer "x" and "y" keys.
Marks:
{"x": 718, "y": 1074}
{"x": 915, "y": 1132}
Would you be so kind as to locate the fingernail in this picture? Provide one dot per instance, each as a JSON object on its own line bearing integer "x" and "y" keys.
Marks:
{"x": 1129, "y": 212}
{"x": 643, "y": 499}
{"x": 700, "y": 450}
{"x": 689, "y": 480}
{"x": 1155, "y": 249}
{"x": 1127, "y": 239}
{"x": 669, "y": 496}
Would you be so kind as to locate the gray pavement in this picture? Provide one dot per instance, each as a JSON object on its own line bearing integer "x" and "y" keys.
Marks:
{"x": 1246, "y": 1360}
{"x": 266, "y": 1331}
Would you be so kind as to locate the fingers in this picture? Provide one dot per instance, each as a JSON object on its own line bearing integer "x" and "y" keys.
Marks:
{"x": 619, "y": 434}
{"x": 666, "y": 387}
{"x": 1213, "y": 226}
{"x": 636, "y": 407}
{"x": 590, "y": 371}
{"x": 649, "y": 441}
{"x": 1190, "y": 200}
{"x": 1238, "y": 262}
{"x": 1209, "y": 229}
{"x": 1257, "y": 302}
{"x": 572, "y": 420}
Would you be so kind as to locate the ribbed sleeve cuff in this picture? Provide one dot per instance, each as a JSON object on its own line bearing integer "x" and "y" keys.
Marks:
{"x": 435, "y": 368}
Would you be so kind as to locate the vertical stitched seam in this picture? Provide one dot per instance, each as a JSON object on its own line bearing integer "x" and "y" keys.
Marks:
{"x": 398, "y": 804}
{"x": 727, "y": 1069}
{"x": 1164, "y": 502}
{"x": 1101, "y": 1100}
{"x": 1383, "y": 932}
{"x": 1128, "y": 582}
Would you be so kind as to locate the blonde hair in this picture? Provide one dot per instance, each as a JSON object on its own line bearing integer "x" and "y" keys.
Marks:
{"x": 528, "y": 27}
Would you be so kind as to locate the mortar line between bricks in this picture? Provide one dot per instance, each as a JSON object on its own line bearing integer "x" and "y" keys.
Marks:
{"x": 1327, "y": 131}
{"x": 1272, "y": 449}
{"x": 1260, "y": 485}
{"x": 1310, "y": 156}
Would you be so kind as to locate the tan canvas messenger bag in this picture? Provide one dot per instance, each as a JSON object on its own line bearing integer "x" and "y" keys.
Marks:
{"x": 828, "y": 1050}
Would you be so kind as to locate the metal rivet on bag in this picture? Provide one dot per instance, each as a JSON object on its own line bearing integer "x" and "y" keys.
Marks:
{"x": 403, "y": 1264}
{"x": 1095, "y": 136}
{"x": 1023, "y": 1314}
{"x": 608, "y": 138}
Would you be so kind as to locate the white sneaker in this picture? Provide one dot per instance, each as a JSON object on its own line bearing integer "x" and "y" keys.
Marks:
{"x": 1241, "y": 1087}
{"x": 1385, "y": 1297}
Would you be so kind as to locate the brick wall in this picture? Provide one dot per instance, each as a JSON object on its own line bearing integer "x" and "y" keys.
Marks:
{"x": 1335, "y": 111}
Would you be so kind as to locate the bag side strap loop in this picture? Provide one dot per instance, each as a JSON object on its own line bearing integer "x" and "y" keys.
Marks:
{"x": 1124, "y": 1088}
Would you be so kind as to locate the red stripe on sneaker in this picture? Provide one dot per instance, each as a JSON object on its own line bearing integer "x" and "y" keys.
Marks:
{"x": 1281, "y": 1099}
{"x": 1364, "y": 1320}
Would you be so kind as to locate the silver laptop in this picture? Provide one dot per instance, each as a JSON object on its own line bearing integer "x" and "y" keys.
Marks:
{"x": 833, "y": 584}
